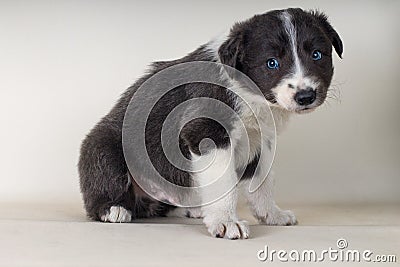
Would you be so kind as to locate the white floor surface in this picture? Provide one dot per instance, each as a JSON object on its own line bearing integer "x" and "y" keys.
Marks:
{"x": 60, "y": 235}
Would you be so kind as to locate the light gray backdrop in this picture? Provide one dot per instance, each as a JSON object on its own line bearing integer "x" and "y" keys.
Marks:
{"x": 63, "y": 65}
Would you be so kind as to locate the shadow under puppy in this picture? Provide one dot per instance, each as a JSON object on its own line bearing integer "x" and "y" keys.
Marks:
{"x": 286, "y": 53}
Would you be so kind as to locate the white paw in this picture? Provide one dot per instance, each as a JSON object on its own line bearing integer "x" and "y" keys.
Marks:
{"x": 117, "y": 214}
{"x": 229, "y": 229}
{"x": 194, "y": 213}
{"x": 279, "y": 217}
{"x": 186, "y": 212}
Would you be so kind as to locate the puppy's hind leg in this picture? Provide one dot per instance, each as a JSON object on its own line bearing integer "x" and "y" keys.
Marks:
{"x": 186, "y": 212}
{"x": 104, "y": 180}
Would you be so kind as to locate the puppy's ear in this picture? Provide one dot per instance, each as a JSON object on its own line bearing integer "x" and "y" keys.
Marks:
{"x": 322, "y": 20}
{"x": 230, "y": 52}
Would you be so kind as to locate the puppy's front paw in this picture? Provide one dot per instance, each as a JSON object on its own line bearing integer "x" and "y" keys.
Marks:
{"x": 279, "y": 217}
{"x": 117, "y": 214}
{"x": 229, "y": 229}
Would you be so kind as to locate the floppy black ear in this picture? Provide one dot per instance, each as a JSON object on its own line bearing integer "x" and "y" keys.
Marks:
{"x": 322, "y": 19}
{"x": 230, "y": 52}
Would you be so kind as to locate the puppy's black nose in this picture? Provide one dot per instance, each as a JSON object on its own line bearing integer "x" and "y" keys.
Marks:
{"x": 305, "y": 97}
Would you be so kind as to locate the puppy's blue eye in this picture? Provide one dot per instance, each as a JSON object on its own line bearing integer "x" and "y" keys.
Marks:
{"x": 316, "y": 55}
{"x": 272, "y": 63}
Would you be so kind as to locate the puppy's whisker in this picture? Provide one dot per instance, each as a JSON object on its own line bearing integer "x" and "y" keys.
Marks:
{"x": 333, "y": 92}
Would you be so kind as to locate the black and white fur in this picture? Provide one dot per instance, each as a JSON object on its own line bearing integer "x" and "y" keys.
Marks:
{"x": 111, "y": 195}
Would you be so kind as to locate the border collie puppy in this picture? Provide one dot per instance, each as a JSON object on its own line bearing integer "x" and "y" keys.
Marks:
{"x": 286, "y": 53}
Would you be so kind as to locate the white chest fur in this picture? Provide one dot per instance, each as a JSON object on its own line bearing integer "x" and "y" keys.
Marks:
{"x": 262, "y": 122}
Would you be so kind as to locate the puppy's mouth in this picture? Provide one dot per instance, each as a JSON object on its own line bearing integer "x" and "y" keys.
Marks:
{"x": 305, "y": 110}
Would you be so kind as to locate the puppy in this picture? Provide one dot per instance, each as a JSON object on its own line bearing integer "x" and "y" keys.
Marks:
{"x": 287, "y": 54}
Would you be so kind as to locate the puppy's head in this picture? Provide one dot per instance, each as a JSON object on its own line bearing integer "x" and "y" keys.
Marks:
{"x": 287, "y": 53}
